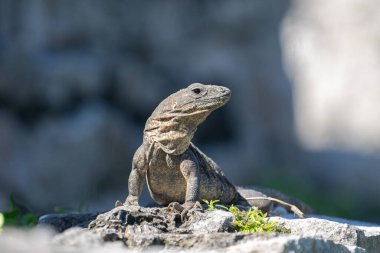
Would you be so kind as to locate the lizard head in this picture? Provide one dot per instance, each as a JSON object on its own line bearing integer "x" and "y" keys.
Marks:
{"x": 175, "y": 120}
{"x": 197, "y": 99}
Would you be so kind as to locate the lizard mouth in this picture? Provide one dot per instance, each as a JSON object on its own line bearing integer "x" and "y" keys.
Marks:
{"x": 224, "y": 94}
{"x": 215, "y": 101}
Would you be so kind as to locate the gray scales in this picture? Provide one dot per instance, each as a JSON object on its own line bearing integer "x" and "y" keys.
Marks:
{"x": 175, "y": 170}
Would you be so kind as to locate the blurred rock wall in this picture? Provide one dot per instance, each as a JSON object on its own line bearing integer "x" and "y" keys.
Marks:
{"x": 332, "y": 57}
{"x": 332, "y": 52}
{"x": 79, "y": 78}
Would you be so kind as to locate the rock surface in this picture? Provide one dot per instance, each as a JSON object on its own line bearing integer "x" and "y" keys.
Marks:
{"x": 63, "y": 221}
{"x": 161, "y": 229}
{"x": 351, "y": 234}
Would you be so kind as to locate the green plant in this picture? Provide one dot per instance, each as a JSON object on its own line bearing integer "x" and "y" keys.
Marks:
{"x": 253, "y": 220}
{"x": 18, "y": 216}
{"x": 211, "y": 204}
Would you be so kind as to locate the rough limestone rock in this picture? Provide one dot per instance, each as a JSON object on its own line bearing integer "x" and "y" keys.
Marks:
{"x": 142, "y": 227}
{"x": 293, "y": 244}
{"x": 124, "y": 229}
{"x": 62, "y": 221}
{"x": 340, "y": 231}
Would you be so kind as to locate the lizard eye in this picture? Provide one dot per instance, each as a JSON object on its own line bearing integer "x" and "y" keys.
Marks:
{"x": 196, "y": 90}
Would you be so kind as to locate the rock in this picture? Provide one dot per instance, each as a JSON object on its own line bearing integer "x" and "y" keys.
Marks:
{"x": 210, "y": 222}
{"x": 139, "y": 226}
{"x": 161, "y": 229}
{"x": 78, "y": 237}
{"x": 62, "y": 221}
{"x": 340, "y": 231}
{"x": 293, "y": 244}
{"x": 43, "y": 240}
{"x": 143, "y": 227}
{"x": 147, "y": 227}
{"x": 78, "y": 240}
{"x": 36, "y": 240}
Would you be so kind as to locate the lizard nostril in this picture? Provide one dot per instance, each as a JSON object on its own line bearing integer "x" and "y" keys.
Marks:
{"x": 225, "y": 90}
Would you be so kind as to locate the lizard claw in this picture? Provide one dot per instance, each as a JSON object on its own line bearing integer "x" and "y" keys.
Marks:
{"x": 189, "y": 207}
{"x": 175, "y": 206}
{"x": 118, "y": 203}
{"x": 184, "y": 209}
{"x": 184, "y": 213}
{"x": 130, "y": 201}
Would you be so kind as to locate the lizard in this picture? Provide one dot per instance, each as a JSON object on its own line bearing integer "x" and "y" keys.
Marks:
{"x": 176, "y": 171}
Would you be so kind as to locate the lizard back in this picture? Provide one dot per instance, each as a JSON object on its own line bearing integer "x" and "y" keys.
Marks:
{"x": 214, "y": 184}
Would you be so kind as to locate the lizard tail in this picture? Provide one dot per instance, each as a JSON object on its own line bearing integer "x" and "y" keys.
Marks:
{"x": 256, "y": 196}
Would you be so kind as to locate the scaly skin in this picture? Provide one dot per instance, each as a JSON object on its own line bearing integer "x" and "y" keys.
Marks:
{"x": 177, "y": 171}
{"x": 174, "y": 168}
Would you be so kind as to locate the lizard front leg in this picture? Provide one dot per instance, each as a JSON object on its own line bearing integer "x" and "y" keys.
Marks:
{"x": 190, "y": 170}
{"x": 136, "y": 179}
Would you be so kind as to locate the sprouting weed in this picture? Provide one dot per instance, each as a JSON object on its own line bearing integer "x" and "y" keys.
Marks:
{"x": 17, "y": 216}
{"x": 253, "y": 220}
{"x": 211, "y": 204}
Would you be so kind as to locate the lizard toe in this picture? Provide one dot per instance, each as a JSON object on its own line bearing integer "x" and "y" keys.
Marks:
{"x": 175, "y": 206}
{"x": 118, "y": 203}
{"x": 187, "y": 207}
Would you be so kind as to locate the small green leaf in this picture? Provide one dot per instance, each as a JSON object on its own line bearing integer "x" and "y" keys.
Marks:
{"x": 222, "y": 207}
{"x": 211, "y": 204}
{"x": 206, "y": 201}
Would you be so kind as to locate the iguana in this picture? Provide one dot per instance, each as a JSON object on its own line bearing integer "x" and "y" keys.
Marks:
{"x": 174, "y": 168}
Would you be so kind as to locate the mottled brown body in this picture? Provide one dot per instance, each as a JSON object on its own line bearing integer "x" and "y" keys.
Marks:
{"x": 212, "y": 183}
{"x": 176, "y": 170}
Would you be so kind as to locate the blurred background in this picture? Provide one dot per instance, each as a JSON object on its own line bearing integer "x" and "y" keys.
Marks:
{"x": 78, "y": 79}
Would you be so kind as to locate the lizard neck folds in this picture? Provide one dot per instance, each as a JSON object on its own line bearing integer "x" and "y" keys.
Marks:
{"x": 173, "y": 123}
